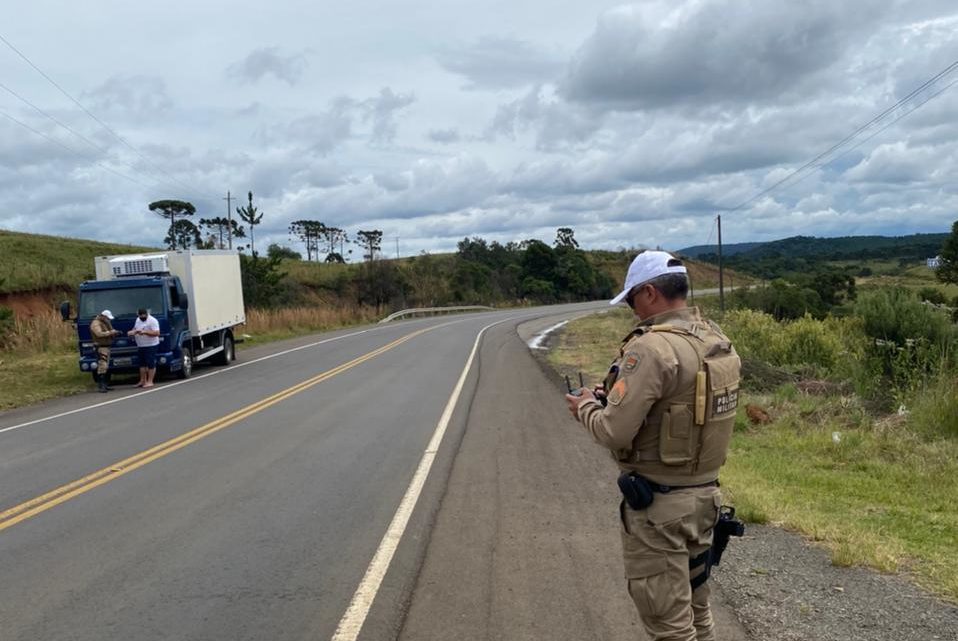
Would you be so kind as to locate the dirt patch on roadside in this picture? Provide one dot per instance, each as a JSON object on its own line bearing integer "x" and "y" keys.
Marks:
{"x": 33, "y": 304}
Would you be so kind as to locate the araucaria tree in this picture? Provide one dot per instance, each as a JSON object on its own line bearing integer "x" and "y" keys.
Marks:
{"x": 171, "y": 210}
{"x": 333, "y": 236}
{"x": 370, "y": 241}
{"x": 219, "y": 226}
{"x": 308, "y": 231}
{"x": 249, "y": 216}
{"x": 183, "y": 234}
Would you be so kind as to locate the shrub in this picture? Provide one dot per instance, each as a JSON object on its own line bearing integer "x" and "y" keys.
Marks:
{"x": 910, "y": 342}
{"x": 751, "y": 332}
{"x": 932, "y": 295}
{"x": 934, "y": 411}
{"x": 809, "y": 341}
{"x": 898, "y": 316}
{"x": 803, "y": 342}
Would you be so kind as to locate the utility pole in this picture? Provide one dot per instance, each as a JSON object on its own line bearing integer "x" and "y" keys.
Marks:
{"x": 229, "y": 218}
{"x": 721, "y": 270}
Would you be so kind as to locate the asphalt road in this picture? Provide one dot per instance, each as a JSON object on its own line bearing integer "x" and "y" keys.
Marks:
{"x": 295, "y": 495}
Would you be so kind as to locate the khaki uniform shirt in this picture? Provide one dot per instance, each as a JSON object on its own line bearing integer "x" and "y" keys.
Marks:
{"x": 648, "y": 371}
{"x": 101, "y": 330}
{"x": 652, "y": 367}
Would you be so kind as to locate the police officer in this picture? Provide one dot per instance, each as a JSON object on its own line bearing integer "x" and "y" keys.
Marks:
{"x": 666, "y": 413}
{"x": 102, "y": 332}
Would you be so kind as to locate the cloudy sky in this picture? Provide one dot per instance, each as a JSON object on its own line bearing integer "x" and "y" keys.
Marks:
{"x": 633, "y": 123}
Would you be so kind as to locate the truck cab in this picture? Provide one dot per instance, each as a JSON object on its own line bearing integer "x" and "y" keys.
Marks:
{"x": 195, "y": 295}
{"x": 164, "y": 298}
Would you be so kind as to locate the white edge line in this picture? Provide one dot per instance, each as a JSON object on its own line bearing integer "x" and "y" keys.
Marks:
{"x": 538, "y": 339}
{"x": 355, "y": 616}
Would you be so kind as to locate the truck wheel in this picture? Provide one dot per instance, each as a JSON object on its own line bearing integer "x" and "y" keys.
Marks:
{"x": 187, "y": 369}
{"x": 229, "y": 352}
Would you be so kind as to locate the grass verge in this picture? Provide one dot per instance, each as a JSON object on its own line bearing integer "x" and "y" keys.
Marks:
{"x": 880, "y": 493}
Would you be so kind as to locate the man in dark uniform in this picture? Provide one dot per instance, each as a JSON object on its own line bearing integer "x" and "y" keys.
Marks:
{"x": 666, "y": 413}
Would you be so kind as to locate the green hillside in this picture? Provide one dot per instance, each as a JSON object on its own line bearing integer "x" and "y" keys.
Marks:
{"x": 32, "y": 263}
{"x": 729, "y": 249}
{"x": 802, "y": 254}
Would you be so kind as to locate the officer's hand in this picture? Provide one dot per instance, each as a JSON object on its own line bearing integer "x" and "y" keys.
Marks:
{"x": 574, "y": 401}
{"x": 599, "y": 391}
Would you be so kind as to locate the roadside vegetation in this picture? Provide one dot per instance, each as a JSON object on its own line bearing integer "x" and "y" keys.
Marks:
{"x": 287, "y": 296}
{"x": 858, "y": 445}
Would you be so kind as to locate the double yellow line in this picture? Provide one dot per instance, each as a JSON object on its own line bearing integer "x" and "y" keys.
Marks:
{"x": 62, "y": 494}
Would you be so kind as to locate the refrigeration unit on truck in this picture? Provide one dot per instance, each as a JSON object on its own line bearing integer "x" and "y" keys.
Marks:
{"x": 196, "y": 295}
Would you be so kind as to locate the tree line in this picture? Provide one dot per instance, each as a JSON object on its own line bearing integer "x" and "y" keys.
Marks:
{"x": 478, "y": 273}
{"x": 218, "y": 232}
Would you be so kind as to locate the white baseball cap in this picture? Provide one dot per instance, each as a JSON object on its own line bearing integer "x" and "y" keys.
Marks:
{"x": 107, "y": 313}
{"x": 645, "y": 267}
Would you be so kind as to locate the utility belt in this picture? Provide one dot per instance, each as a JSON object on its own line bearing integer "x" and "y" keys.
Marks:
{"x": 639, "y": 491}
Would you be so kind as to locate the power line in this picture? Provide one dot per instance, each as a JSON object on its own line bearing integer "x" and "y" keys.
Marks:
{"x": 711, "y": 232}
{"x": 71, "y": 150}
{"x": 97, "y": 120}
{"x": 59, "y": 123}
{"x": 816, "y": 162}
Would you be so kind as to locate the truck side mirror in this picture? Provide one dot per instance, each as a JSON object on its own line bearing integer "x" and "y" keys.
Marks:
{"x": 184, "y": 302}
{"x": 65, "y": 310}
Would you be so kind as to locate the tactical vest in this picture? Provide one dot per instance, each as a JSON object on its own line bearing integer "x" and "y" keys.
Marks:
{"x": 684, "y": 438}
{"x": 105, "y": 328}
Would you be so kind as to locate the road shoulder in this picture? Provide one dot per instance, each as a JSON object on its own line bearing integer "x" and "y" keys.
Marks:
{"x": 525, "y": 544}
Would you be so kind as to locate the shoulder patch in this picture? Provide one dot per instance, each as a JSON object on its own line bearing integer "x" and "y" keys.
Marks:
{"x": 618, "y": 392}
{"x": 630, "y": 361}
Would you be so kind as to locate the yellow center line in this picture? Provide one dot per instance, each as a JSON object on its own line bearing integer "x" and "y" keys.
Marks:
{"x": 64, "y": 493}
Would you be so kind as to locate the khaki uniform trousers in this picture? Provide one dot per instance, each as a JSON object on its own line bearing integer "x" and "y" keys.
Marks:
{"x": 657, "y": 543}
{"x": 102, "y": 360}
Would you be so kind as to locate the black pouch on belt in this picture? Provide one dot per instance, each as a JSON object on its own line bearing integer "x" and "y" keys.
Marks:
{"x": 635, "y": 490}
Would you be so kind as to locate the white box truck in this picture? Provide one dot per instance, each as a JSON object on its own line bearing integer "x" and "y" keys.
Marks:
{"x": 196, "y": 295}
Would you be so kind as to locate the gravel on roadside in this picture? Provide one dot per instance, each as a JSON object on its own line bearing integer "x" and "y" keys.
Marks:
{"x": 783, "y": 588}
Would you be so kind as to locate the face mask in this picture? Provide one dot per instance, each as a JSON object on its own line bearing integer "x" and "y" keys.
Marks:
{"x": 142, "y": 318}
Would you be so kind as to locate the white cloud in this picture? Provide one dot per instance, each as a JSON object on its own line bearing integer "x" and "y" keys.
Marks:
{"x": 269, "y": 62}
{"x": 644, "y": 123}
{"x": 497, "y": 62}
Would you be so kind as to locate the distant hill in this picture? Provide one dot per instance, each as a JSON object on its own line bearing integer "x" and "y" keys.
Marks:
{"x": 915, "y": 246}
{"x": 803, "y": 253}
{"x": 727, "y": 250}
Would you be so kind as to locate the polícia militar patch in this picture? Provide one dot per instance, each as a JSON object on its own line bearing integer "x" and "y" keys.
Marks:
{"x": 630, "y": 361}
{"x": 725, "y": 403}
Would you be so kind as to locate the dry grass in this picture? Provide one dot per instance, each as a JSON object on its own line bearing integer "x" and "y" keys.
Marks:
{"x": 270, "y": 324}
{"x": 41, "y": 333}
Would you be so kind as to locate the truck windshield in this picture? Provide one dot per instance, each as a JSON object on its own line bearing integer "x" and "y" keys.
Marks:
{"x": 121, "y": 302}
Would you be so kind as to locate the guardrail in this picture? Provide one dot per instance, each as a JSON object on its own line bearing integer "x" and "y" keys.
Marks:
{"x": 425, "y": 311}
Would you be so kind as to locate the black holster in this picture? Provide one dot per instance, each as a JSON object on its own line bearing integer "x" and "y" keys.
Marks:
{"x": 635, "y": 490}
{"x": 726, "y": 527}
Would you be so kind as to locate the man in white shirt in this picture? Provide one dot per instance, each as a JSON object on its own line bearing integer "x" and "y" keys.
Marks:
{"x": 146, "y": 332}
